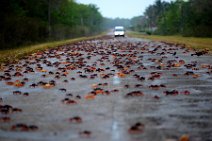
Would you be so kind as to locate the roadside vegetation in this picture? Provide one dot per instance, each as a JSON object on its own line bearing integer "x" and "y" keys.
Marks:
{"x": 26, "y": 22}
{"x": 195, "y": 43}
{"x": 190, "y": 18}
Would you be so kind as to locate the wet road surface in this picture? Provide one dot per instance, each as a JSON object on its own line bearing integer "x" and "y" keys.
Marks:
{"x": 118, "y": 89}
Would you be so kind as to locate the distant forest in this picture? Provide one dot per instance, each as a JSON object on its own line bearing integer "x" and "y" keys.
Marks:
{"x": 31, "y": 21}
{"x": 187, "y": 18}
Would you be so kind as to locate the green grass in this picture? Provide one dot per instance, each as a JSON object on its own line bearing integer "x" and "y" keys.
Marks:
{"x": 190, "y": 42}
{"x": 13, "y": 55}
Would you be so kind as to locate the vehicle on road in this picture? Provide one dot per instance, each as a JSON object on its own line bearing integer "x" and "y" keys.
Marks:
{"x": 119, "y": 31}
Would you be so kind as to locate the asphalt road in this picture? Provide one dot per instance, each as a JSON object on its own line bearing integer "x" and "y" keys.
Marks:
{"x": 108, "y": 89}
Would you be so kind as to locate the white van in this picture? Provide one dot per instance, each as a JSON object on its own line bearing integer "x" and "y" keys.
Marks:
{"x": 119, "y": 31}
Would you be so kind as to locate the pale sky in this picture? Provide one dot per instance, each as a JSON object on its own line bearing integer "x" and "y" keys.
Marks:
{"x": 120, "y": 8}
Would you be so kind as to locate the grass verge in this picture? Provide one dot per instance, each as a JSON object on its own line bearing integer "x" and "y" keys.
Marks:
{"x": 13, "y": 55}
{"x": 190, "y": 42}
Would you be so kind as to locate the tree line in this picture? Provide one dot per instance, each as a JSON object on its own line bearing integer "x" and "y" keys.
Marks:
{"x": 187, "y": 18}
{"x": 110, "y": 23}
{"x": 30, "y": 21}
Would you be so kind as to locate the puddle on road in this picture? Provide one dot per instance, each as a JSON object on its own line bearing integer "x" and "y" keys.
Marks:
{"x": 115, "y": 131}
{"x": 116, "y": 80}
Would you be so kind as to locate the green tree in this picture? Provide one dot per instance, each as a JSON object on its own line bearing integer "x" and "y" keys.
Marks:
{"x": 198, "y": 19}
{"x": 29, "y": 21}
{"x": 170, "y": 23}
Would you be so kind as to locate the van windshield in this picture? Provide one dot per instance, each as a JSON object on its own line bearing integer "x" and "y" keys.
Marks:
{"x": 119, "y": 29}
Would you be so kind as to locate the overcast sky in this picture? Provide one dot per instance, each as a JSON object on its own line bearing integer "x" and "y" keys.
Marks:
{"x": 120, "y": 8}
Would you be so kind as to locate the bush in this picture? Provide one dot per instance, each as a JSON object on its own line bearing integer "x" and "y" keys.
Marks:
{"x": 148, "y": 32}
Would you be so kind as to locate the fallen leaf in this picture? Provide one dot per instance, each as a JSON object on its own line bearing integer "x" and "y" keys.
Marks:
{"x": 195, "y": 75}
{"x": 48, "y": 86}
{"x": 90, "y": 97}
{"x": 184, "y": 138}
{"x": 121, "y": 75}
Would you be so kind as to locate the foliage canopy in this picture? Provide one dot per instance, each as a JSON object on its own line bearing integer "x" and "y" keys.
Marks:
{"x": 187, "y": 18}
{"x": 30, "y": 21}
